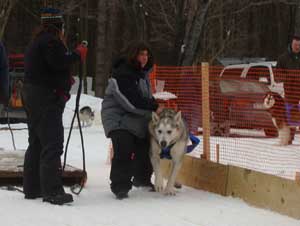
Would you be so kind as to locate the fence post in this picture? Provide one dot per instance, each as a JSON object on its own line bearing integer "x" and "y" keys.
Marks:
{"x": 205, "y": 110}
{"x": 297, "y": 177}
{"x": 218, "y": 153}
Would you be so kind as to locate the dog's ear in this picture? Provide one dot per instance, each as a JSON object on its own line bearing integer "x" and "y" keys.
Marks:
{"x": 178, "y": 117}
{"x": 155, "y": 117}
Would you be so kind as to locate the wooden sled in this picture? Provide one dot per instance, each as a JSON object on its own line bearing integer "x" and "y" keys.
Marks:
{"x": 11, "y": 170}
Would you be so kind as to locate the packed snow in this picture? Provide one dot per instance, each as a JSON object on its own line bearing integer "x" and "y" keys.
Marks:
{"x": 96, "y": 205}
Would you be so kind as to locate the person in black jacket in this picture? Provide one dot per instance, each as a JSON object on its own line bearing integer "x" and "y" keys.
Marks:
{"x": 45, "y": 92}
{"x": 126, "y": 112}
{"x": 290, "y": 60}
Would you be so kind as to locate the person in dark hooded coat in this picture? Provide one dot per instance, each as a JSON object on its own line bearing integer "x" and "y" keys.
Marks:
{"x": 45, "y": 92}
{"x": 126, "y": 112}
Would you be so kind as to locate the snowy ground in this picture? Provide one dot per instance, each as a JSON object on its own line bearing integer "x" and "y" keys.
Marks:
{"x": 96, "y": 206}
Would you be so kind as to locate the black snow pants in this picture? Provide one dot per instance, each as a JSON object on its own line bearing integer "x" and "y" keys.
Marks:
{"x": 42, "y": 164}
{"x": 131, "y": 160}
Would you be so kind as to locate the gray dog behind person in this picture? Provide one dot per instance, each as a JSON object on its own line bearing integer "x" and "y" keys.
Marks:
{"x": 167, "y": 130}
{"x": 86, "y": 116}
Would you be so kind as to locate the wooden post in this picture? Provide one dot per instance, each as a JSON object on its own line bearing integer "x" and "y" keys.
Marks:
{"x": 218, "y": 153}
{"x": 205, "y": 110}
{"x": 297, "y": 177}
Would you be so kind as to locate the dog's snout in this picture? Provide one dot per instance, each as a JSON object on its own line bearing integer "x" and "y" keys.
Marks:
{"x": 163, "y": 144}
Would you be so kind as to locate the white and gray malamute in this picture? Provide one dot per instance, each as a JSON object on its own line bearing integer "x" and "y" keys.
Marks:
{"x": 167, "y": 130}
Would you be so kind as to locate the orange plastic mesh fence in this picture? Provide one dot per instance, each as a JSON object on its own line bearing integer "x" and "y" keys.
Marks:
{"x": 254, "y": 113}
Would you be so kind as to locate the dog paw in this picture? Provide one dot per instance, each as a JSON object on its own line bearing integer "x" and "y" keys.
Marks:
{"x": 159, "y": 188}
{"x": 170, "y": 191}
{"x": 159, "y": 185}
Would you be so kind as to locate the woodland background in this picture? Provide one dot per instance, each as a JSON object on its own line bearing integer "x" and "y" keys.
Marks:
{"x": 180, "y": 32}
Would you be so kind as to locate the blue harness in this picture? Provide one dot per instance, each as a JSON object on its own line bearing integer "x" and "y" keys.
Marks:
{"x": 289, "y": 108}
{"x": 166, "y": 152}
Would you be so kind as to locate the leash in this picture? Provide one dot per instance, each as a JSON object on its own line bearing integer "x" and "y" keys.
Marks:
{"x": 11, "y": 187}
{"x": 76, "y": 115}
{"x": 10, "y": 129}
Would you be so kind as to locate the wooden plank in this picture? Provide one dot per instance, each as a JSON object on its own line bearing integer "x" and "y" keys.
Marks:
{"x": 200, "y": 174}
{"x": 297, "y": 177}
{"x": 11, "y": 170}
{"x": 266, "y": 191}
{"x": 258, "y": 189}
{"x": 11, "y": 161}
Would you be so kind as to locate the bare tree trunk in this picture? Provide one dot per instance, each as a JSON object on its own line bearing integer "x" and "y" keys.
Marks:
{"x": 135, "y": 18}
{"x": 193, "y": 40}
{"x": 105, "y": 41}
{"x": 297, "y": 20}
{"x": 181, "y": 27}
{"x": 100, "y": 49}
{"x": 5, "y": 8}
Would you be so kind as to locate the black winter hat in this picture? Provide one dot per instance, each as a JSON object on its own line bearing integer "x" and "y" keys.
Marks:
{"x": 51, "y": 16}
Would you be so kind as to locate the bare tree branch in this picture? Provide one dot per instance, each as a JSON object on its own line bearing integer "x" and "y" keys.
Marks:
{"x": 165, "y": 15}
{"x": 6, "y": 7}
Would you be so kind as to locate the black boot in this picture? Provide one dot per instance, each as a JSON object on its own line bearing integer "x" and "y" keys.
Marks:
{"x": 122, "y": 195}
{"x": 139, "y": 183}
{"x": 33, "y": 196}
{"x": 59, "y": 199}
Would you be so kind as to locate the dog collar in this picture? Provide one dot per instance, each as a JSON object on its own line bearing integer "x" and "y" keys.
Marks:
{"x": 166, "y": 152}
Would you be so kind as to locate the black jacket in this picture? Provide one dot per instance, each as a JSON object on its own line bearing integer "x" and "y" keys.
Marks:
{"x": 291, "y": 79}
{"x": 48, "y": 62}
{"x": 128, "y": 101}
{"x": 128, "y": 78}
